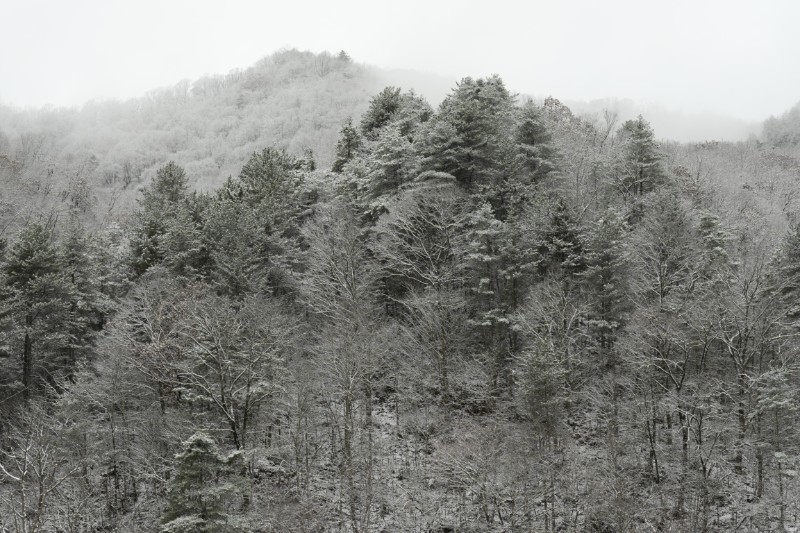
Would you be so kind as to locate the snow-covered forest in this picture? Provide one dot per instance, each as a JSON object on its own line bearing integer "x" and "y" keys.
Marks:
{"x": 299, "y": 298}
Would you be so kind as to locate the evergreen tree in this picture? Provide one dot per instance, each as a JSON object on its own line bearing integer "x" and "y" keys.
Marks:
{"x": 414, "y": 112}
{"x": 716, "y": 263}
{"x": 382, "y": 109}
{"x": 37, "y": 305}
{"x": 182, "y": 246}
{"x": 110, "y": 255}
{"x": 493, "y": 297}
{"x": 560, "y": 249}
{"x": 200, "y": 489}
{"x": 533, "y": 160}
{"x": 406, "y": 111}
{"x": 641, "y": 169}
{"x": 238, "y": 246}
{"x": 535, "y": 154}
{"x": 159, "y": 203}
{"x": 252, "y": 226}
{"x": 664, "y": 259}
{"x": 347, "y": 147}
{"x": 470, "y": 136}
{"x": 169, "y": 187}
{"x": 440, "y": 148}
{"x": 784, "y": 280}
{"x": 268, "y": 181}
{"x": 307, "y": 162}
{"x": 391, "y": 162}
{"x": 545, "y": 370}
{"x": 605, "y": 280}
{"x": 79, "y": 272}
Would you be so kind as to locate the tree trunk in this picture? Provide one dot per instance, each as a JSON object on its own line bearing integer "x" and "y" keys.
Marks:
{"x": 652, "y": 436}
{"x": 782, "y": 502}
{"x": 443, "y": 363}
{"x": 684, "y": 422}
{"x": 347, "y": 462}
{"x": 27, "y": 358}
{"x": 370, "y": 456}
{"x": 742, "y": 419}
{"x": 235, "y": 433}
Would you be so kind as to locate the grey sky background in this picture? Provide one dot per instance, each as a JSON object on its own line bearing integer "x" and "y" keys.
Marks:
{"x": 733, "y": 58}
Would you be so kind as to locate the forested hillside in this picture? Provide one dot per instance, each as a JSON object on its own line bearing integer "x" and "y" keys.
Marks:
{"x": 293, "y": 100}
{"x": 489, "y": 315}
{"x": 785, "y": 129}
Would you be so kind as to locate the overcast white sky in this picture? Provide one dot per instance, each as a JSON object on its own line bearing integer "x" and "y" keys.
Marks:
{"x": 729, "y": 57}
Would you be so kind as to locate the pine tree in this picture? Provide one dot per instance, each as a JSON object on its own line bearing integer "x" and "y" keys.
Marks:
{"x": 170, "y": 186}
{"x": 182, "y": 246}
{"x": 347, "y": 147}
{"x": 413, "y": 113}
{"x": 391, "y": 162}
{"x": 641, "y": 170}
{"x": 539, "y": 375}
{"x": 784, "y": 281}
{"x": 38, "y": 303}
{"x": 238, "y": 246}
{"x": 533, "y": 160}
{"x": 535, "y": 154}
{"x": 251, "y": 227}
{"x": 406, "y": 111}
{"x": 268, "y": 180}
{"x": 159, "y": 203}
{"x": 382, "y": 109}
{"x": 493, "y": 297}
{"x": 200, "y": 489}
{"x": 79, "y": 272}
{"x": 560, "y": 249}
{"x": 716, "y": 264}
{"x": 110, "y": 255}
{"x": 605, "y": 280}
{"x": 440, "y": 148}
{"x": 470, "y": 136}
{"x": 664, "y": 253}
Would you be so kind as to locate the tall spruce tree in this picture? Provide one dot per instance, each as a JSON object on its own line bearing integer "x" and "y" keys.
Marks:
{"x": 37, "y": 306}
{"x": 605, "y": 282}
{"x": 80, "y": 290}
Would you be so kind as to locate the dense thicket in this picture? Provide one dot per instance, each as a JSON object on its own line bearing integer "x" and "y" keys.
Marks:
{"x": 490, "y": 316}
